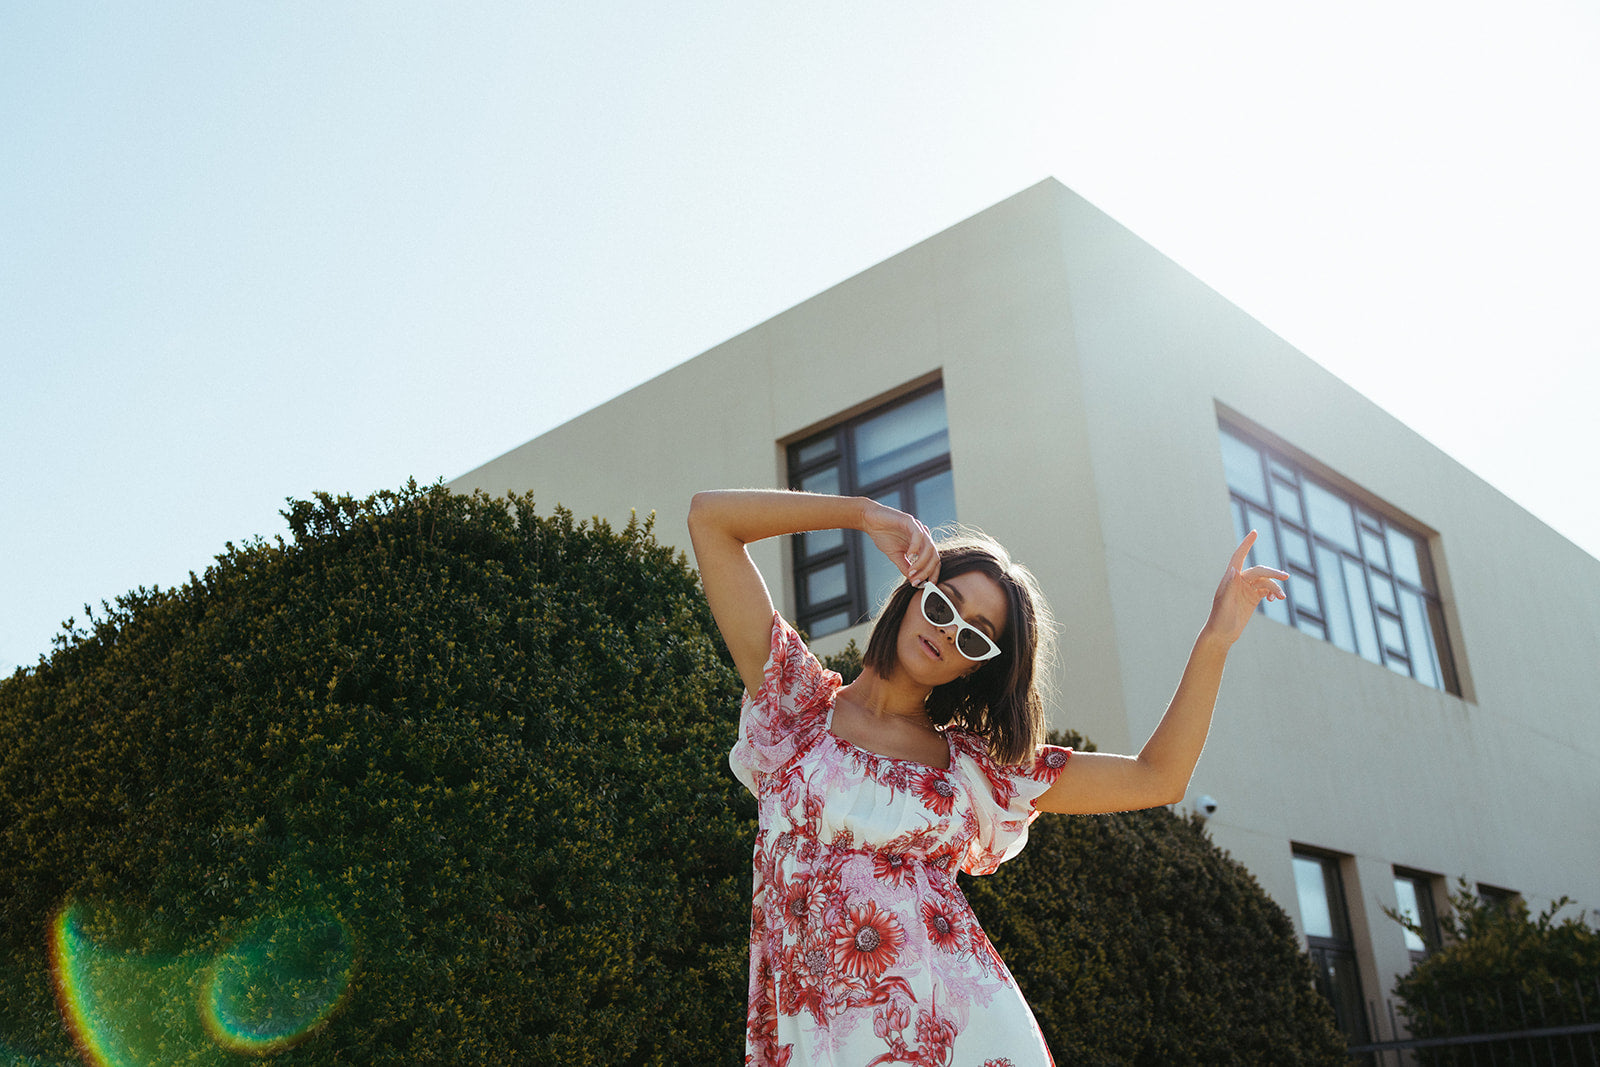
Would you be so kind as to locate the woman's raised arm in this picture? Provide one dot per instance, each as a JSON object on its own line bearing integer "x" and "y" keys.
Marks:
{"x": 1100, "y": 782}
{"x": 722, "y": 522}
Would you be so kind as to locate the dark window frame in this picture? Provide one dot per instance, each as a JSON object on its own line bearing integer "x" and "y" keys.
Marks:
{"x": 1337, "y": 954}
{"x": 1422, "y": 884}
{"x": 856, "y": 600}
{"x": 1284, "y": 478}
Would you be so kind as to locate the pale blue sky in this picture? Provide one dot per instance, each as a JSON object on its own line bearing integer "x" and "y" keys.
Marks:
{"x": 252, "y": 250}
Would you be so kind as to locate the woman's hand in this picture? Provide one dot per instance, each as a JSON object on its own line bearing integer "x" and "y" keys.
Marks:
{"x": 1240, "y": 591}
{"x": 904, "y": 540}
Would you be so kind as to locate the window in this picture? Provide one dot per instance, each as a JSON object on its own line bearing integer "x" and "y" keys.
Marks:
{"x": 1332, "y": 948}
{"x": 899, "y": 455}
{"x": 1415, "y": 892}
{"x": 1356, "y": 578}
{"x": 1495, "y": 897}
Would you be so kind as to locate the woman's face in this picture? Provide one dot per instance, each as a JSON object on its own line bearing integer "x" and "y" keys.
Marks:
{"x": 928, "y": 652}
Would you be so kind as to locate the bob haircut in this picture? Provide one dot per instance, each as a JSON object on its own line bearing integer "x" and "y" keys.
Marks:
{"x": 1001, "y": 701}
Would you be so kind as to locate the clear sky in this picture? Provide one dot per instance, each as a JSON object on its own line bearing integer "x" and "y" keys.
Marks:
{"x": 253, "y": 250}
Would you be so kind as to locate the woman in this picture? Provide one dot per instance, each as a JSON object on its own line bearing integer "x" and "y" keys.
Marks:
{"x": 872, "y": 795}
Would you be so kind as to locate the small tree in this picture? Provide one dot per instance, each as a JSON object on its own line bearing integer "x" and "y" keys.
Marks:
{"x": 1501, "y": 969}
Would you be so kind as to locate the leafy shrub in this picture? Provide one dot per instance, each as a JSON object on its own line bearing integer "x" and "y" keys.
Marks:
{"x": 1502, "y": 969}
{"x": 488, "y": 744}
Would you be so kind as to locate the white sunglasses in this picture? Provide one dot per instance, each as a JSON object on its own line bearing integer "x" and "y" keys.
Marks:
{"x": 971, "y": 642}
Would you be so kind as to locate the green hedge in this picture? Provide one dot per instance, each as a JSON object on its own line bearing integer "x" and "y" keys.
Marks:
{"x": 484, "y": 745}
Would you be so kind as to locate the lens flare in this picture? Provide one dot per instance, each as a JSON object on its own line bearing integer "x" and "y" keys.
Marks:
{"x": 270, "y": 988}
{"x": 278, "y": 982}
{"x": 123, "y": 1008}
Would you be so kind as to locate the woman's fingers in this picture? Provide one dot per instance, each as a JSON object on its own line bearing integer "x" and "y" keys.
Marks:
{"x": 922, "y": 560}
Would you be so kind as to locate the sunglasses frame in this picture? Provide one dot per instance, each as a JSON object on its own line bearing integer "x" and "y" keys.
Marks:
{"x": 929, "y": 590}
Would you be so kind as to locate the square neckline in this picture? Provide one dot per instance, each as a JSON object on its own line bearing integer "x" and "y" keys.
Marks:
{"x": 944, "y": 735}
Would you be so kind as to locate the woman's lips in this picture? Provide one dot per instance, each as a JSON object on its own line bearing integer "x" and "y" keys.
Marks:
{"x": 933, "y": 649}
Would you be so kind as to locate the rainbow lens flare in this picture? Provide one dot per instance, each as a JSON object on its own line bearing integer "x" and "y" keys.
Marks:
{"x": 278, "y": 982}
{"x": 124, "y": 1009}
{"x": 270, "y": 988}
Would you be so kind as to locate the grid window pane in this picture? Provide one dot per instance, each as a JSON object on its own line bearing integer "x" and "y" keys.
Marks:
{"x": 1372, "y": 545}
{"x": 825, "y": 480}
{"x": 882, "y": 577}
{"x": 1311, "y": 887}
{"x": 1304, "y": 593}
{"x": 829, "y": 624}
{"x": 1286, "y": 498}
{"x": 1406, "y": 890}
{"x": 900, "y": 438}
{"x": 1356, "y": 581}
{"x": 1296, "y": 549}
{"x": 1403, "y": 550}
{"x": 1336, "y": 608}
{"x": 825, "y": 584}
{"x": 1241, "y": 461}
{"x": 1424, "y": 665}
{"x": 1330, "y": 516}
{"x": 1393, "y": 639}
{"x": 936, "y": 500}
{"x": 820, "y": 541}
{"x": 809, "y": 453}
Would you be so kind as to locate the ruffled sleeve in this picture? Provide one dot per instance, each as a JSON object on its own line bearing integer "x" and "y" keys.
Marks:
{"x": 1003, "y": 798}
{"x": 785, "y": 715}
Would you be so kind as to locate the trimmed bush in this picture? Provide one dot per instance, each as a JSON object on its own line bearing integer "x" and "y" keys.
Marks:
{"x": 485, "y": 747}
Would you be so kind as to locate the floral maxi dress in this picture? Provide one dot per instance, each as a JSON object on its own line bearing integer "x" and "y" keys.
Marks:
{"x": 863, "y": 950}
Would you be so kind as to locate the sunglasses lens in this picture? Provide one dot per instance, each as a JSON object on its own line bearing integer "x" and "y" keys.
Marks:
{"x": 938, "y": 609}
{"x": 972, "y": 644}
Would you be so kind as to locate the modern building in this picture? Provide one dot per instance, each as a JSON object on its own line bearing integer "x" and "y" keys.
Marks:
{"x": 1422, "y": 709}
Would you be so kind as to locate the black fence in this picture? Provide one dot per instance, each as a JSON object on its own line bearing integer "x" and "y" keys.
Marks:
{"x": 1556, "y": 1024}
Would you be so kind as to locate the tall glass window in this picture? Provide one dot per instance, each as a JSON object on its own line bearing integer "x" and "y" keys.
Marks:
{"x": 1414, "y": 891}
{"x": 1332, "y": 947}
{"x": 1356, "y": 578}
{"x": 899, "y": 455}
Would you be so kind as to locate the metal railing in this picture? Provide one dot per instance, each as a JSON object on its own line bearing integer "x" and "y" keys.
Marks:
{"x": 1553, "y": 1025}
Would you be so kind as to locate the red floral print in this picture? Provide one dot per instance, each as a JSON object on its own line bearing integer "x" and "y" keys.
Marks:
{"x": 936, "y": 792}
{"x": 863, "y": 951}
{"x": 942, "y": 924}
{"x": 868, "y": 942}
{"x": 1049, "y": 763}
{"x": 892, "y": 867}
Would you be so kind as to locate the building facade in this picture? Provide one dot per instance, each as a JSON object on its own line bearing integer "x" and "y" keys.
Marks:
{"x": 1423, "y": 707}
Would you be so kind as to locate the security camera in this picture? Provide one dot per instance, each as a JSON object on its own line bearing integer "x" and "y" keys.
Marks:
{"x": 1205, "y": 806}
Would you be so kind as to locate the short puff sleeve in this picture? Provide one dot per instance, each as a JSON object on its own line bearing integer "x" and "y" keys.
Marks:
{"x": 1003, "y": 798}
{"x": 786, "y": 714}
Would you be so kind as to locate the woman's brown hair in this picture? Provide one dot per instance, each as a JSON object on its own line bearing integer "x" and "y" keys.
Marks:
{"x": 1002, "y": 700}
